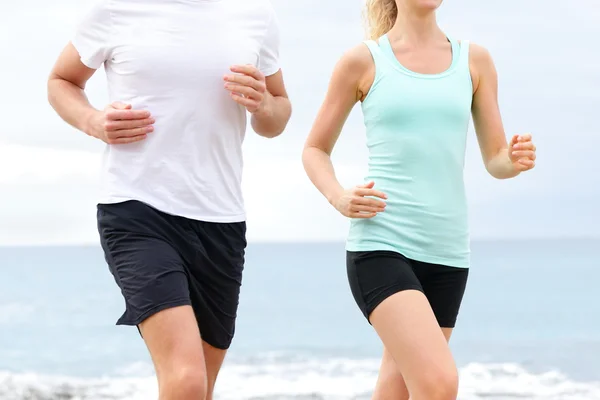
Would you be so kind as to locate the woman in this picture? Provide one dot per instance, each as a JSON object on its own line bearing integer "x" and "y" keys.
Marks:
{"x": 408, "y": 246}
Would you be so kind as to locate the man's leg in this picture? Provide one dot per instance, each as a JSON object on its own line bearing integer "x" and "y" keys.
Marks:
{"x": 173, "y": 339}
{"x": 215, "y": 280}
{"x": 214, "y": 360}
{"x": 148, "y": 253}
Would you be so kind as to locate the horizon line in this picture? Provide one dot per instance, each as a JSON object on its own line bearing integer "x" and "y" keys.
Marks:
{"x": 324, "y": 241}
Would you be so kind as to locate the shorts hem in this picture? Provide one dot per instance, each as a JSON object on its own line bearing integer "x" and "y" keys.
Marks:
{"x": 385, "y": 295}
{"x": 153, "y": 311}
{"x": 218, "y": 346}
{"x": 448, "y": 324}
{"x": 463, "y": 262}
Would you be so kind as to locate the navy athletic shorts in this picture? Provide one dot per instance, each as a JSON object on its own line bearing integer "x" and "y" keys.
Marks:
{"x": 161, "y": 261}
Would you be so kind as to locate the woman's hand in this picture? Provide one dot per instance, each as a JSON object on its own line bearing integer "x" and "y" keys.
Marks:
{"x": 521, "y": 152}
{"x": 357, "y": 202}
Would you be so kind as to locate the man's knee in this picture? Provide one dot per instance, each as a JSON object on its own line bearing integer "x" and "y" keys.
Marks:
{"x": 184, "y": 383}
{"x": 439, "y": 384}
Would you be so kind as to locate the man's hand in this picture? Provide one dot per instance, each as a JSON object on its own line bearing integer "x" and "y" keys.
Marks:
{"x": 247, "y": 87}
{"x": 119, "y": 124}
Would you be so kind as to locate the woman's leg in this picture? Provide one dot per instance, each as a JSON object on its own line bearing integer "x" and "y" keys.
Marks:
{"x": 410, "y": 332}
{"x": 407, "y": 301}
{"x": 390, "y": 383}
{"x": 444, "y": 288}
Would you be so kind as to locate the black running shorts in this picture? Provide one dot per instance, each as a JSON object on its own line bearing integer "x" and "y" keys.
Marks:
{"x": 376, "y": 275}
{"x": 161, "y": 261}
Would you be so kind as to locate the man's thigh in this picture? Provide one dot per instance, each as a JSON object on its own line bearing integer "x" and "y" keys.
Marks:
{"x": 215, "y": 279}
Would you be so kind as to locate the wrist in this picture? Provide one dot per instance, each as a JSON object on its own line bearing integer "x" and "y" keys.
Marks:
{"x": 87, "y": 122}
{"x": 265, "y": 110}
{"x": 334, "y": 195}
{"x": 515, "y": 171}
{"x": 502, "y": 166}
{"x": 512, "y": 167}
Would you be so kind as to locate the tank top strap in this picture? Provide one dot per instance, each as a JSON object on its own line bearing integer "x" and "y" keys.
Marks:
{"x": 374, "y": 49}
{"x": 386, "y": 49}
{"x": 381, "y": 65}
{"x": 463, "y": 49}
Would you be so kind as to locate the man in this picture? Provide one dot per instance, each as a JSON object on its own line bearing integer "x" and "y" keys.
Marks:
{"x": 181, "y": 76}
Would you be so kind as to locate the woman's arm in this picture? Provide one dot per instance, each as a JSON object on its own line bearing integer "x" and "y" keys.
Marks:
{"x": 350, "y": 82}
{"x": 502, "y": 160}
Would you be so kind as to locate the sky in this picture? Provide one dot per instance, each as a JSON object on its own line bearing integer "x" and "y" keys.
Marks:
{"x": 548, "y": 65}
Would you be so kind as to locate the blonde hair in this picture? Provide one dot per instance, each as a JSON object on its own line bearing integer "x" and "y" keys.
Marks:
{"x": 380, "y": 17}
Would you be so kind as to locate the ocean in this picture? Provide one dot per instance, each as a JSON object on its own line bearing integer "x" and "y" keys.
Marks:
{"x": 528, "y": 328}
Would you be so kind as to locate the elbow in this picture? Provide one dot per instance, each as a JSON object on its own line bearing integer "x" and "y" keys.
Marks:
{"x": 310, "y": 152}
{"x": 497, "y": 176}
{"x": 501, "y": 171}
{"x": 492, "y": 169}
{"x": 305, "y": 155}
{"x": 50, "y": 89}
{"x": 270, "y": 128}
{"x": 270, "y": 133}
{"x": 53, "y": 87}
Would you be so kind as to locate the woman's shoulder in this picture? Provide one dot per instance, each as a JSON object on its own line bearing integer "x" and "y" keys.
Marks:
{"x": 479, "y": 55}
{"x": 355, "y": 69}
{"x": 481, "y": 64}
{"x": 356, "y": 59}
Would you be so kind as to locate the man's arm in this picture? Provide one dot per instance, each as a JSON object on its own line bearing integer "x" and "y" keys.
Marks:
{"x": 265, "y": 98}
{"x": 66, "y": 86}
{"x": 116, "y": 124}
{"x": 272, "y": 118}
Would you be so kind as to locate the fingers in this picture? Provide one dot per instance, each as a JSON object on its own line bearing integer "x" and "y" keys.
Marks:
{"x": 370, "y": 193}
{"x": 524, "y": 154}
{"x": 123, "y": 136}
{"x": 363, "y": 202}
{"x": 525, "y": 164}
{"x": 358, "y": 202}
{"x": 120, "y": 106}
{"x": 360, "y": 215}
{"x": 126, "y": 140}
{"x": 119, "y": 125}
{"x": 363, "y": 205}
{"x": 120, "y": 115}
{"x": 250, "y": 104}
{"x": 249, "y": 70}
{"x": 514, "y": 140}
{"x": 366, "y": 208}
{"x": 523, "y": 151}
{"x": 525, "y": 137}
{"x": 249, "y": 81}
{"x": 246, "y": 86}
{"x": 524, "y": 146}
{"x": 247, "y": 91}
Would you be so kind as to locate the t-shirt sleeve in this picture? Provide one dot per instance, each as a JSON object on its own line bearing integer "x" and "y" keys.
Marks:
{"x": 91, "y": 38}
{"x": 268, "y": 60}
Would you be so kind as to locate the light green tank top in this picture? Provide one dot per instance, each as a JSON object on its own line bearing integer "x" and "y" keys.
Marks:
{"x": 416, "y": 128}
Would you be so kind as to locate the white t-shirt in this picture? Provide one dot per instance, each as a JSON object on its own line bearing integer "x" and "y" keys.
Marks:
{"x": 169, "y": 57}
